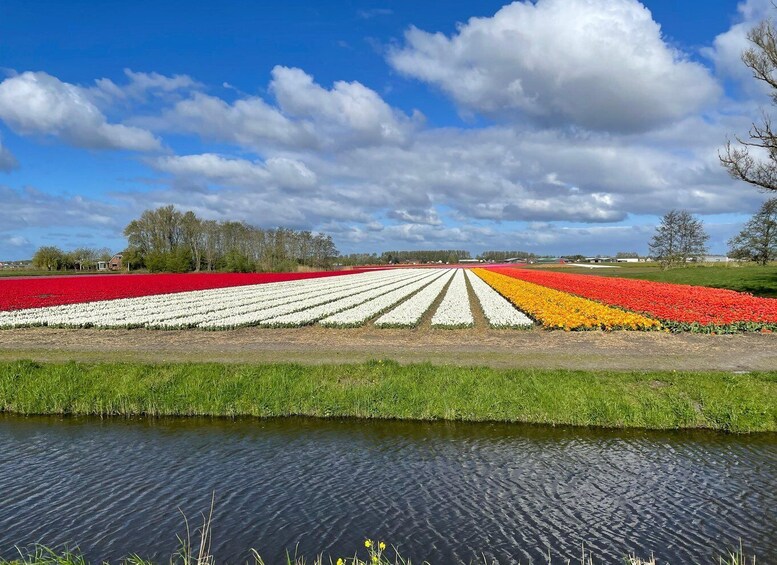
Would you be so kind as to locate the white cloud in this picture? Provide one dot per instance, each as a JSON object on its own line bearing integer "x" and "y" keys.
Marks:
{"x": 307, "y": 117}
{"x": 275, "y": 173}
{"x": 727, "y": 48}
{"x": 38, "y": 103}
{"x": 32, "y": 208}
{"x": 140, "y": 85}
{"x": 349, "y": 108}
{"x": 597, "y": 64}
{"x": 250, "y": 122}
{"x": 7, "y": 161}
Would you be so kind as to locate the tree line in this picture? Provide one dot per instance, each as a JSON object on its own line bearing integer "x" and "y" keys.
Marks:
{"x": 52, "y": 258}
{"x": 425, "y": 256}
{"x": 166, "y": 239}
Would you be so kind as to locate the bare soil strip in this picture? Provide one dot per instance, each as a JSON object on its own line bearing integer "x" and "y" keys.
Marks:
{"x": 479, "y": 346}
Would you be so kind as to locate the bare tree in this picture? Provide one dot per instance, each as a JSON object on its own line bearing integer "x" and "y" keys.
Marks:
{"x": 679, "y": 238}
{"x": 758, "y": 239}
{"x": 759, "y": 170}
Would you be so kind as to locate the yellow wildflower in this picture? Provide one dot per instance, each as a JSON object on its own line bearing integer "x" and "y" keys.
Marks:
{"x": 367, "y": 543}
{"x": 382, "y": 546}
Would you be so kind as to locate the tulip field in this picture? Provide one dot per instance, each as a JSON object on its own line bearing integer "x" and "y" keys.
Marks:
{"x": 445, "y": 298}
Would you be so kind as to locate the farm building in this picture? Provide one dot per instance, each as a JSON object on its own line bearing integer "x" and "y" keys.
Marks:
{"x": 116, "y": 264}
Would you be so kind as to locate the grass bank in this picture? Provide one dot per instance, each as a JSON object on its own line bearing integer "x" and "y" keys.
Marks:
{"x": 755, "y": 279}
{"x": 383, "y": 389}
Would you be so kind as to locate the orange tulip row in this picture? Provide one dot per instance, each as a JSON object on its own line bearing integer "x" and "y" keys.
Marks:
{"x": 559, "y": 310}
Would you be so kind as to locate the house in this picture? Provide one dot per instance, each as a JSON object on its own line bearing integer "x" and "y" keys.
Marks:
{"x": 102, "y": 265}
{"x": 115, "y": 264}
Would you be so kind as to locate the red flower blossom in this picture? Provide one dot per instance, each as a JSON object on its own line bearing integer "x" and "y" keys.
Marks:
{"x": 33, "y": 292}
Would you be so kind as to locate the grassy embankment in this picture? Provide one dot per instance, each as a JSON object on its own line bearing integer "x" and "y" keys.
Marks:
{"x": 757, "y": 280}
{"x": 381, "y": 389}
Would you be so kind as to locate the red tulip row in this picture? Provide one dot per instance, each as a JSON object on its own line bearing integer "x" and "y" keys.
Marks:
{"x": 34, "y": 292}
{"x": 686, "y": 307}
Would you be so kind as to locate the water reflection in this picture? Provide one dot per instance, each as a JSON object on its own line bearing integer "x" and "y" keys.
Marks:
{"x": 443, "y": 492}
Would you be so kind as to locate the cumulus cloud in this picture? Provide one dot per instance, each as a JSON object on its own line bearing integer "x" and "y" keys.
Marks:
{"x": 307, "y": 116}
{"x": 727, "y": 48}
{"x": 250, "y": 122}
{"x": 596, "y": 64}
{"x": 7, "y": 161}
{"x": 38, "y": 103}
{"x": 275, "y": 173}
{"x": 348, "y": 107}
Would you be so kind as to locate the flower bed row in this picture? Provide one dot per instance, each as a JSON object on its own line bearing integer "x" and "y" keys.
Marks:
{"x": 560, "y": 310}
{"x": 680, "y": 307}
{"x": 213, "y": 308}
{"x": 498, "y": 311}
{"x": 37, "y": 292}
{"x": 454, "y": 311}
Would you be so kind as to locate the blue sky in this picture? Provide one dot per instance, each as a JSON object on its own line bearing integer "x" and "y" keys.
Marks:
{"x": 556, "y": 126}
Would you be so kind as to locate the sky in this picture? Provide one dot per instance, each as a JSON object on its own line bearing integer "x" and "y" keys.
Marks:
{"x": 552, "y": 126}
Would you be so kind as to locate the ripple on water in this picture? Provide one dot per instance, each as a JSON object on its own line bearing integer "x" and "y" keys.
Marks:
{"x": 443, "y": 492}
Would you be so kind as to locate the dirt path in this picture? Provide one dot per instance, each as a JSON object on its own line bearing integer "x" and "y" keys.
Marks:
{"x": 499, "y": 348}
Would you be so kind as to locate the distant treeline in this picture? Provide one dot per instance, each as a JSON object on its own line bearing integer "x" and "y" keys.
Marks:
{"x": 498, "y": 256}
{"x": 52, "y": 258}
{"x": 424, "y": 256}
{"x": 428, "y": 256}
{"x": 166, "y": 239}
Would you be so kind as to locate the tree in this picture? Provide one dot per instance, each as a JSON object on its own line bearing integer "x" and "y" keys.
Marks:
{"x": 49, "y": 258}
{"x": 85, "y": 257}
{"x": 679, "y": 238}
{"x": 761, "y": 59}
{"x": 758, "y": 239}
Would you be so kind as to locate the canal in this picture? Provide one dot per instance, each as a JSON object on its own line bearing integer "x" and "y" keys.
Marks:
{"x": 444, "y": 492}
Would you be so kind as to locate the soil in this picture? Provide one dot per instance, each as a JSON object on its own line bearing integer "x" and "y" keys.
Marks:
{"x": 598, "y": 350}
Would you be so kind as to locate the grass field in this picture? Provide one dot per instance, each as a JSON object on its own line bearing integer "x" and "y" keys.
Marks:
{"x": 757, "y": 280}
{"x": 383, "y": 389}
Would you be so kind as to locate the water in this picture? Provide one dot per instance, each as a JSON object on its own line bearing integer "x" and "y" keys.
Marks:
{"x": 443, "y": 492}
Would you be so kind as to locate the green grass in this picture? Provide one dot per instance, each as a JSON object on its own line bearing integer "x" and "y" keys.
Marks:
{"x": 41, "y": 555}
{"x": 384, "y": 389}
{"x": 757, "y": 280}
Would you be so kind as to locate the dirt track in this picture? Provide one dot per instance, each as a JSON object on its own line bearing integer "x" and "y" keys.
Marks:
{"x": 501, "y": 348}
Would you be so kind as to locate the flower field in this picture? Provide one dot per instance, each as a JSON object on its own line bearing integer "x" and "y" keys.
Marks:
{"x": 555, "y": 309}
{"x": 35, "y": 292}
{"x": 448, "y": 297}
{"x": 681, "y": 307}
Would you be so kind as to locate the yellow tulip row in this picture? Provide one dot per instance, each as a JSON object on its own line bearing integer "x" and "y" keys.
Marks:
{"x": 559, "y": 310}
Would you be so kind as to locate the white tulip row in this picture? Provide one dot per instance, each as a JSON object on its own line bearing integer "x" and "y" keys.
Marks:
{"x": 410, "y": 312}
{"x": 496, "y": 308}
{"x": 268, "y": 315}
{"x": 359, "y": 315}
{"x": 454, "y": 311}
{"x": 196, "y": 308}
{"x": 131, "y": 312}
{"x": 311, "y": 315}
{"x": 339, "y": 301}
